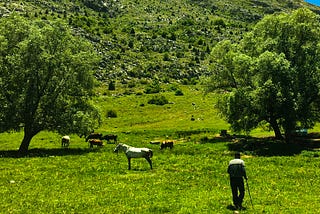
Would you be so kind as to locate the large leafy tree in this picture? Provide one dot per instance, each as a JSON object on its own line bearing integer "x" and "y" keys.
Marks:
{"x": 45, "y": 79}
{"x": 272, "y": 75}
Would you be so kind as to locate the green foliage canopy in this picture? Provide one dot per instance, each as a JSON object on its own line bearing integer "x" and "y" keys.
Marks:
{"x": 46, "y": 79}
{"x": 271, "y": 75}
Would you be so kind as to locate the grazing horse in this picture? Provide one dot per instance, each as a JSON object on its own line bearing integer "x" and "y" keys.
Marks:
{"x": 132, "y": 152}
{"x": 109, "y": 137}
{"x": 94, "y": 136}
{"x": 65, "y": 141}
{"x": 166, "y": 144}
{"x": 95, "y": 142}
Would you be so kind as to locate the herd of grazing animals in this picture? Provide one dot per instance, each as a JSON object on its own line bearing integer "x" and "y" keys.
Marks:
{"x": 95, "y": 139}
{"x": 92, "y": 139}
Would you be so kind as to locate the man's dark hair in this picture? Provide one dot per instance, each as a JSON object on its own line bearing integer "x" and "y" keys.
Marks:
{"x": 237, "y": 155}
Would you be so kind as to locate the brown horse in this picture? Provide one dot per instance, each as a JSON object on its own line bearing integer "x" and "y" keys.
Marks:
{"x": 96, "y": 142}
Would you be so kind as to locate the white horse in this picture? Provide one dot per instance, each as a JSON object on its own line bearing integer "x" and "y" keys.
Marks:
{"x": 132, "y": 152}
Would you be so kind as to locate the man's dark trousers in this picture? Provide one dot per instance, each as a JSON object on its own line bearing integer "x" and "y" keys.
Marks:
{"x": 237, "y": 185}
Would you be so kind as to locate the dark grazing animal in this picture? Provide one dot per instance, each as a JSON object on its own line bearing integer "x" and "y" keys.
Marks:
{"x": 94, "y": 136}
{"x": 96, "y": 142}
{"x": 109, "y": 137}
{"x": 166, "y": 144}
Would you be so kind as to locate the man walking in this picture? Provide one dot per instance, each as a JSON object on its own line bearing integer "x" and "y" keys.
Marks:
{"x": 237, "y": 171}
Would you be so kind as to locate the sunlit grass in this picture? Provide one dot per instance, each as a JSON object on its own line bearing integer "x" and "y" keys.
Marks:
{"x": 190, "y": 178}
{"x": 134, "y": 113}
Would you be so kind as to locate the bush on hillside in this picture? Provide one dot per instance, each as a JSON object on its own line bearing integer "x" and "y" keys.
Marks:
{"x": 158, "y": 100}
{"x": 112, "y": 86}
{"x": 111, "y": 114}
{"x": 153, "y": 88}
{"x": 179, "y": 92}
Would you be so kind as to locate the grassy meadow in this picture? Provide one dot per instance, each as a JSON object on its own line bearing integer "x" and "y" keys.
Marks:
{"x": 190, "y": 178}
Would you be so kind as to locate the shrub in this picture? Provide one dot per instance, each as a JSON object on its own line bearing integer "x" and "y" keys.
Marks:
{"x": 153, "y": 88}
{"x": 179, "y": 92}
{"x": 111, "y": 113}
{"x": 190, "y": 81}
{"x": 219, "y": 22}
{"x": 173, "y": 87}
{"x": 112, "y": 86}
{"x": 166, "y": 57}
{"x": 158, "y": 100}
{"x": 132, "y": 84}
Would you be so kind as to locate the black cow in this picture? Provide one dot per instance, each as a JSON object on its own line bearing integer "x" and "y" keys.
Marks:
{"x": 166, "y": 144}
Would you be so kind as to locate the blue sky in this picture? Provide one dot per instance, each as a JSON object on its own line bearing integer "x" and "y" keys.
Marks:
{"x": 316, "y": 2}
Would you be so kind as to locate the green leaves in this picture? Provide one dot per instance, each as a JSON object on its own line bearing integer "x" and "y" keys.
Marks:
{"x": 276, "y": 66}
{"x": 46, "y": 77}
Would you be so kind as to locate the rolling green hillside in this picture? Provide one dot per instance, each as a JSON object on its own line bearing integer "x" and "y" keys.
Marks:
{"x": 150, "y": 46}
{"x": 154, "y": 39}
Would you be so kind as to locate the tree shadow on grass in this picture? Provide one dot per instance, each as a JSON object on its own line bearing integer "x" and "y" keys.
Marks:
{"x": 46, "y": 152}
{"x": 272, "y": 147}
{"x": 215, "y": 139}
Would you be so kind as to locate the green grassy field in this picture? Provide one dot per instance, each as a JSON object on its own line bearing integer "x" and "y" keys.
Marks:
{"x": 190, "y": 178}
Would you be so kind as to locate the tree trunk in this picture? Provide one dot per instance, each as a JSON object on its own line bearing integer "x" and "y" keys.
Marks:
{"x": 288, "y": 136}
{"x": 276, "y": 129}
{"x": 24, "y": 146}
